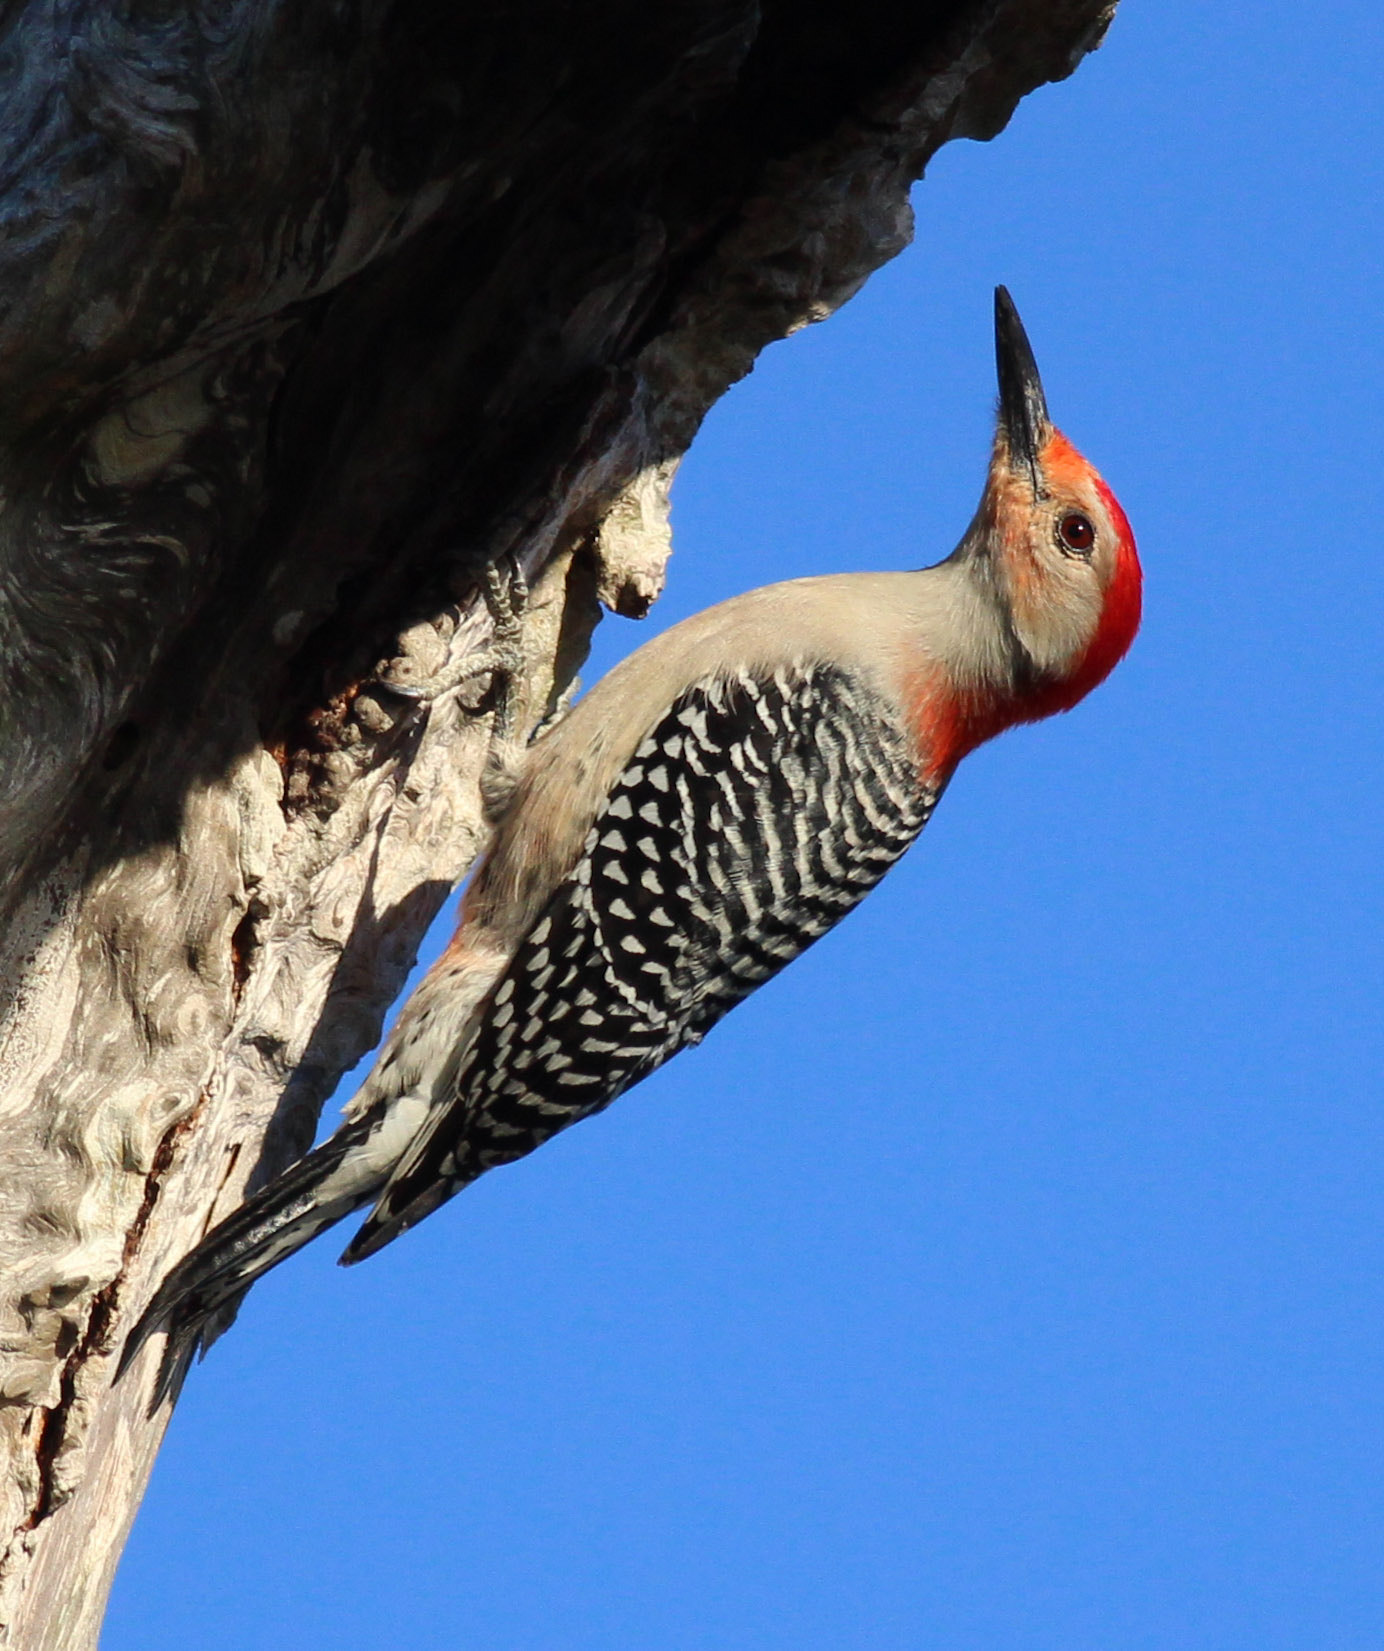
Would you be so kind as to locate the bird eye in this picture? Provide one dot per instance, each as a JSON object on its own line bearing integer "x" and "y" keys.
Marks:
{"x": 1075, "y": 532}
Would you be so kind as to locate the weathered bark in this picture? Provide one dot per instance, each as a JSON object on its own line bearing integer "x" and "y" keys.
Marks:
{"x": 307, "y": 312}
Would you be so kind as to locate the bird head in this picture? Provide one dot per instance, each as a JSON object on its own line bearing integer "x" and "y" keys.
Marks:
{"x": 1056, "y": 547}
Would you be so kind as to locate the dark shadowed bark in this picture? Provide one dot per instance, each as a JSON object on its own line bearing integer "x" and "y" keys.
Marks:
{"x": 307, "y": 312}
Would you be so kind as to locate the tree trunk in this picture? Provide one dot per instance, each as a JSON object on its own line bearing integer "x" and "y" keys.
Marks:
{"x": 307, "y": 313}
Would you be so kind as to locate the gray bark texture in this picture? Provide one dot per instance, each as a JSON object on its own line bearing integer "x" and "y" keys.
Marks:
{"x": 307, "y": 313}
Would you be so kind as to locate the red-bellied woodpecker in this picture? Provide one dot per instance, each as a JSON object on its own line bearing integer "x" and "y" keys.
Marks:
{"x": 707, "y": 811}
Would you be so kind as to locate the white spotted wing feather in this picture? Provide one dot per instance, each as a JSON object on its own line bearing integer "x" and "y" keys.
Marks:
{"x": 750, "y": 819}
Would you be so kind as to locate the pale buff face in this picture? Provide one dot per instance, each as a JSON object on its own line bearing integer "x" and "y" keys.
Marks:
{"x": 1059, "y": 554}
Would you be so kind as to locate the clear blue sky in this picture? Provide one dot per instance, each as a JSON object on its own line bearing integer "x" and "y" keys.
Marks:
{"x": 1007, "y": 1275}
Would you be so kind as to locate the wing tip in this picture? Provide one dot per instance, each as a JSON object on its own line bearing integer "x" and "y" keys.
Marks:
{"x": 366, "y": 1242}
{"x": 380, "y": 1227}
{"x": 395, "y": 1213}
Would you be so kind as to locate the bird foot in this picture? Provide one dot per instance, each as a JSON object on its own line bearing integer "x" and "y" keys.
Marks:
{"x": 503, "y": 660}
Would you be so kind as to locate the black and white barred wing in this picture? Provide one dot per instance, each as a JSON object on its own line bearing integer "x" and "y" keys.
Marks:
{"x": 751, "y": 819}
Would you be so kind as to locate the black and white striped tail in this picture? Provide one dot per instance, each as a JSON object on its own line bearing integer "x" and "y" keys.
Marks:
{"x": 267, "y": 1229}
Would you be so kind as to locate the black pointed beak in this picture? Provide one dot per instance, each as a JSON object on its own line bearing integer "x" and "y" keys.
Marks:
{"x": 1023, "y": 406}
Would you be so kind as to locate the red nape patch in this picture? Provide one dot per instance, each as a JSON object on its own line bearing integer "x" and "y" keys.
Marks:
{"x": 1124, "y": 603}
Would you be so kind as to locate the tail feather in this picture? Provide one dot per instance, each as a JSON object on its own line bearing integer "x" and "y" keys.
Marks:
{"x": 268, "y": 1228}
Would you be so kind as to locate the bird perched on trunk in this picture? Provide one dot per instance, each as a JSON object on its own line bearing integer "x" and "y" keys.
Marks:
{"x": 708, "y": 810}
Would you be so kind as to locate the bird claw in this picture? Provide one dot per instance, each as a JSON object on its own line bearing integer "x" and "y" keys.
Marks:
{"x": 508, "y": 599}
{"x": 503, "y": 660}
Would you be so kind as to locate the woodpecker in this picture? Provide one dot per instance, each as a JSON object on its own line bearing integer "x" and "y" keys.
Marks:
{"x": 702, "y": 815}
